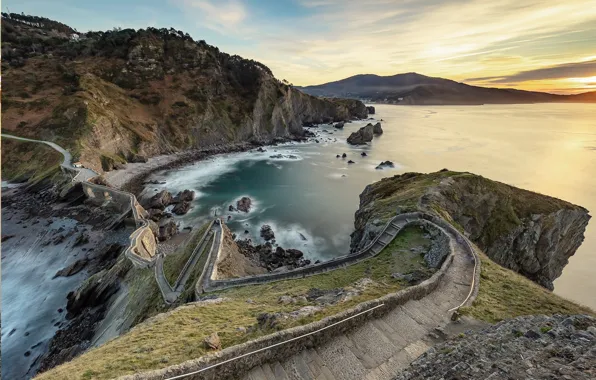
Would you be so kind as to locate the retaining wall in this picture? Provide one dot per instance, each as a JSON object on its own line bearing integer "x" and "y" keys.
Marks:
{"x": 234, "y": 369}
{"x": 210, "y": 285}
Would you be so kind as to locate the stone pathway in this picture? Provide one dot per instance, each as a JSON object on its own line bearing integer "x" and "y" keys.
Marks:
{"x": 382, "y": 347}
{"x": 171, "y": 293}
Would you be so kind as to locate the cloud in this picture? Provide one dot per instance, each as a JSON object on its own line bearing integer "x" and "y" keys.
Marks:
{"x": 216, "y": 15}
{"x": 326, "y": 40}
{"x": 566, "y": 70}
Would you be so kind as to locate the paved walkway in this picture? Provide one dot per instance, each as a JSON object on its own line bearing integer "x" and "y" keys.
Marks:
{"x": 381, "y": 348}
{"x": 84, "y": 173}
{"x": 171, "y": 293}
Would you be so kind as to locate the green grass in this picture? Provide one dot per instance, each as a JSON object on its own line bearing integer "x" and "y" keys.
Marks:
{"x": 174, "y": 262}
{"x": 178, "y": 336}
{"x": 28, "y": 161}
{"x": 504, "y": 294}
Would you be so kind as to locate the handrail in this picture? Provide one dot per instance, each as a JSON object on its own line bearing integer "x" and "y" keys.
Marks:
{"x": 274, "y": 345}
{"x": 474, "y": 273}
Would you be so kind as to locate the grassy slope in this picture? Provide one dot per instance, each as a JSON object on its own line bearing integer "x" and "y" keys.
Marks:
{"x": 177, "y": 336}
{"x": 505, "y": 294}
{"x": 174, "y": 262}
{"x": 31, "y": 161}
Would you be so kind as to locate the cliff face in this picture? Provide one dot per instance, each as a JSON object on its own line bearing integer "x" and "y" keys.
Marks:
{"x": 530, "y": 233}
{"x": 118, "y": 96}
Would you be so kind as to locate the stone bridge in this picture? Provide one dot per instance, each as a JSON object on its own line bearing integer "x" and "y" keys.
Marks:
{"x": 142, "y": 244}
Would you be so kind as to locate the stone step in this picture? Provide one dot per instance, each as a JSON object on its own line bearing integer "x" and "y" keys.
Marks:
{"x": 373, "y": 343}
{"x": 279, "y": 372}
{"x": 414, "y": 312}
{"x": 404, "y": 326}
{"x": 268, "y": 371}
{"x": 346, "y": 368}
{"x": 256, "y": 373}
{"x": 397, "y": 340}
{"x": 296, "y": 368}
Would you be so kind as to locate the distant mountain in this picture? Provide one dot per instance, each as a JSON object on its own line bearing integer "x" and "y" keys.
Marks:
{"x": 413, "y": 88}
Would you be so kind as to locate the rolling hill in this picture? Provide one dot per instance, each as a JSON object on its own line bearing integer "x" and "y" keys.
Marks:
{"x": 414, "y": 88}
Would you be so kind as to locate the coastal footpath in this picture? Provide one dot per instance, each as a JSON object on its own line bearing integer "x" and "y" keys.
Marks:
{"x": 260, "y": 334}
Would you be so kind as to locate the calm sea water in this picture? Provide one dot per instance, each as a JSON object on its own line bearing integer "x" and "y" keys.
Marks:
{"x": 548, "y": 148}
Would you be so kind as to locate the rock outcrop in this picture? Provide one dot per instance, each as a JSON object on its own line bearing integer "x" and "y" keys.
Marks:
{"x": 160, "y": 200}
{"x": 362, "y": 136}
{"x": 377, "y": 129}
{"x": 534, "y": 347}
{"x": 370, "y": 110}
{"x": 530, "y": 233}
{"x": 267, "y": 232}
{"x": 157, "y": 92}
{"x": 244, "y": 204}
{"x": 385, "y": 164}
{"x": 233, "y": 263}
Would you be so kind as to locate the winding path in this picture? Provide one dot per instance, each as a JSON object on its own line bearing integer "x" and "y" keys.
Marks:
{"x": 382, "y": 347}
{"x": 171, "y": 293}
{"x": 84, "y": 173}
{"x": 139, "y": 237}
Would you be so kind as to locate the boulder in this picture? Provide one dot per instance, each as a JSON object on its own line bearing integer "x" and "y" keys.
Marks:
{"x": 363, "y": 154}
{"x": 267, "y": 232}
{"x": 370, "y": 110}
{"x": 155, "y": 214}
{"x": 385, "y": 164}
{"x": 186, "y": 195}
{"x": 377, "y": 130}
{"x": 344, "y": 155}
{"x": 231, "y": 208}
{"x": 339, "y": 125}
{"x": 351, "y": 162}
{"x": 337, "y": 156}
{"x": 212, "y": 342}
{"x": 181, "y": 208}
{"x": 362, "y": 136}
{"x": 167, "y": 229}
{"x": 161, "y": 200}
{"x": 244, "y": 204}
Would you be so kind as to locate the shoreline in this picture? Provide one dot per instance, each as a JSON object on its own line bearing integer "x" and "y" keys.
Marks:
{"x": 133, "y": 180}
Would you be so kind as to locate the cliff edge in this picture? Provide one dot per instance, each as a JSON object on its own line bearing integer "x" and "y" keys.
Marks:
{"x": 530, "y": 233}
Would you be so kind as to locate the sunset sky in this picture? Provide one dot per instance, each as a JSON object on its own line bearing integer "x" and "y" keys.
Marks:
{"x": 545, "y": 45}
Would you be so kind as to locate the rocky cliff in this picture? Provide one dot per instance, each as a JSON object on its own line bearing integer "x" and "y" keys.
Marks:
{"x": 530, "y": 233}
{"x": 122, "y": 95}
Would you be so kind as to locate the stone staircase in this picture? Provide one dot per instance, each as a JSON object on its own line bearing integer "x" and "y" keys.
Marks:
{"x": 382, "y": 347}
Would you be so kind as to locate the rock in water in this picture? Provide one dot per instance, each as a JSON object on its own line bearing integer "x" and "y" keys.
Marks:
{"x": 181, "y": 208}
{"x": 267, "y": 232}
{"x": 370, "y": 110}
{"x": 344, "y": 155}
{"x": 377, "y": 130}
{"x": 186, "y": 195}
{"x": 244, "y": 204}
{"x": 339, "y": 125}
{"x": 363, "y": 154}
{"x": 385, "y": 164}
{"x": 362, "y": 136}
{"x": 351, "y": 162}
{"x": 161, "y": 200}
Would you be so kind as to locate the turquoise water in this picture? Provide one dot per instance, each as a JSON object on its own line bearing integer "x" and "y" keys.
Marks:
{"x": 546, "y": 148}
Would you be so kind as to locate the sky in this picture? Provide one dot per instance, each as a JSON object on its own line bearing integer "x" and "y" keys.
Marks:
{"x": 542, "y": 45}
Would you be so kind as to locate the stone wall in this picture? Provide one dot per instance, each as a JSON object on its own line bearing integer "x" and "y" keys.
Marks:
{"x": 305, "y": 337}
{"x": 326, "y": 266}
